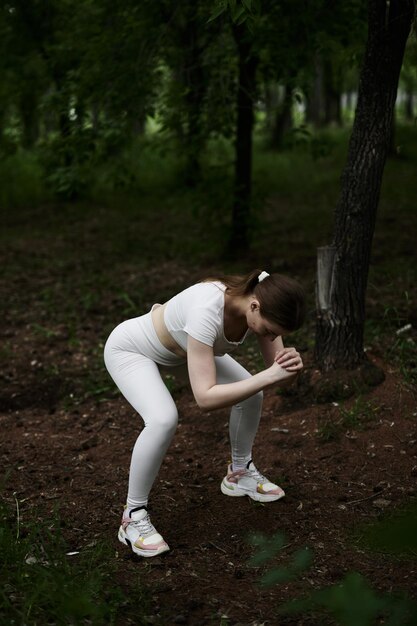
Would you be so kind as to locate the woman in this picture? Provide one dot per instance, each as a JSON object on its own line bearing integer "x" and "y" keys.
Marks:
{"x": 199, "y": 327}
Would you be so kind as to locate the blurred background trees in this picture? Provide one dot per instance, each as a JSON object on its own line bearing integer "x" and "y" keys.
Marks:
{"x": 88, "y": 87}
{"x": 82, "y": 81}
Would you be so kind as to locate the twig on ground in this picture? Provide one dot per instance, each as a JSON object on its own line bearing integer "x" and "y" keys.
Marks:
{"x": 374, "y": 495}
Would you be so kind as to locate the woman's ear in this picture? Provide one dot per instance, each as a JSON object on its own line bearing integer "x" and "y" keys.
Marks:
{"x": 254, "y": 305}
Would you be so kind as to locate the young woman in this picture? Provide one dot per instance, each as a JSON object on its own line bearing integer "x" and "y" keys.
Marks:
{"x": 199, "y": 327}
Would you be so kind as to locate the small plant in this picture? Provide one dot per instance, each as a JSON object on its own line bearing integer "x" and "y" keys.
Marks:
{"x": 269, "y": 548}
{"x": 359, "y": 416}
{"x": 329, "y": 430}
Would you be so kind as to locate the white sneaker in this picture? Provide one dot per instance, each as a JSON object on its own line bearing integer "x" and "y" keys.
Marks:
{"x": 250, "y": 482}
{"x": 138, "y": 532}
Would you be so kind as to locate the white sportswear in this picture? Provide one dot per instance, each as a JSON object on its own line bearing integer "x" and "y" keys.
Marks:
{"x": 198, "y": 312}
{"x": 133, "y": 355}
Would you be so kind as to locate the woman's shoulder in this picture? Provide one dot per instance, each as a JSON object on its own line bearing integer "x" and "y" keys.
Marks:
{"x": 214, "y": 286}
{"x": 206, "y": 295}
{"x": 210, "y": 292}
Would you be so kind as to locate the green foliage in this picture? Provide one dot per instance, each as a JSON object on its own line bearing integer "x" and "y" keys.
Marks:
{"x": 395, "y": 533}
{"x": 41, "y": 582}
{"x": 269, "y": 548}
{"x": 243, "y": 11}
{"x": 352, "y": 601}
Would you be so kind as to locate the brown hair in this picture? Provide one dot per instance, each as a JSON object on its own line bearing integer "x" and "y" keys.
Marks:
{"x": 281, "y": 299}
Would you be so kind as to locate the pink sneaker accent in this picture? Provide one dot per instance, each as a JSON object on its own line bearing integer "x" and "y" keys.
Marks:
{"x": 138, "y": 532}
{"x": 250, "y": 482}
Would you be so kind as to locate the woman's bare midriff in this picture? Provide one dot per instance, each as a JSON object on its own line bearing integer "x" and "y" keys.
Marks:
{"x": 163, "y": 333}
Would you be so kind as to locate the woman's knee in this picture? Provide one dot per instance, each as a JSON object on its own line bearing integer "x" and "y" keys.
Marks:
{"x": 163, "y": 420}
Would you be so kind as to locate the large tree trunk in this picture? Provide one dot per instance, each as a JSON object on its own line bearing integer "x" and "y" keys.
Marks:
{"x": 343, "y": 266}
{"x": 239, "y": 238}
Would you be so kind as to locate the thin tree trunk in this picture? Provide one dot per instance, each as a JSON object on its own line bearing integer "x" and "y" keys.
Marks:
{"x": 271, "y": 97}
{"x": 332, "y": 96}
{"x": 239, "y": 238}
{"x": 315, "y": 97}
{"x": 409, "y": 105}
{"x": 194, "y": 133}
{"x": 30, "y": 119}
{"x": 344, "y": 269}
{"x": 283, "y": 119}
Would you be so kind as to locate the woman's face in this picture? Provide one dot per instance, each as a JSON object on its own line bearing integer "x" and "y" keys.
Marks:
{"x": 260, "y": 325}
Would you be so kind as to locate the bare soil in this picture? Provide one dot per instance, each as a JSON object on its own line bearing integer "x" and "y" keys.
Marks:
{"x": 67, "y": 441}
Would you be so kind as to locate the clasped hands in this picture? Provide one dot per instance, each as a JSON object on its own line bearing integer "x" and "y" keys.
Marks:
{"x": 289, "y": 359}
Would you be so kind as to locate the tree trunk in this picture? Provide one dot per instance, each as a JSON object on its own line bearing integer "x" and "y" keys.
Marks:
{"x": 194, "y": 131}
{"x": 332, "y": 96}
{"x": 409, "y": 105}
{"x": 194, "y": 79}
{"x": 343, "y": 269}
{"x": 30, "y": 119}
{"x": 315, "y": 98}
{"x": 239, "y": 238}
{"x": 271, "y": 97}
{"x": 392, "y": 150}
{"x": 283, "y": 119}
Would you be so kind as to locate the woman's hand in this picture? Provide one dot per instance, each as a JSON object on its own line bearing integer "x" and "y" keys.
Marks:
{"x": 279, "y": 375}
{"x": 289, "y": 359}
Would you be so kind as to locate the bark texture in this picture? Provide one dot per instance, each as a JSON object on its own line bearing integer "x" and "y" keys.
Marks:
{"x": 340, "y": 319}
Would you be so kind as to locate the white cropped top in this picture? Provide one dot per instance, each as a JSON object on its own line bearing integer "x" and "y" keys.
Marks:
{"x": 198, "y": 312}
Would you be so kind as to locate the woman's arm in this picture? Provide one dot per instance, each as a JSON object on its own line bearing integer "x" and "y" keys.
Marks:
{"x": 273, "y": 350}
{"x": 269, "y": 348}
{"x": 209, "y": 395}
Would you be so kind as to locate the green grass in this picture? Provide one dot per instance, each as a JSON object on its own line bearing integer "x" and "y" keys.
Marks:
{"x": 41, "y": 582}
{"x": 356, "y": 416}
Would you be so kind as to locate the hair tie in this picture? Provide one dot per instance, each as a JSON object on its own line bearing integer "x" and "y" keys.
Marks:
{"x": 262, "y": 276}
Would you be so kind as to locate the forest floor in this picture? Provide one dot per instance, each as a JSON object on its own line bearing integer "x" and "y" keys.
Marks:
{"x": 78, "y": 457}
{"x": 66, "y": 437}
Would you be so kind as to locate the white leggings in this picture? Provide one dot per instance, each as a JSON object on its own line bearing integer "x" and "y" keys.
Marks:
{"x": 133, "y": 354}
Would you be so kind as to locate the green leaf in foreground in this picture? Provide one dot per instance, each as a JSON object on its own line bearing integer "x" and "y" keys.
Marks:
{"x": 354, "y": 603}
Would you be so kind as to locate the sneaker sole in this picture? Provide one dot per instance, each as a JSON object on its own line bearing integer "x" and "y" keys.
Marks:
{"x": 235, "y": 492}
{"x": 146, "y": 553}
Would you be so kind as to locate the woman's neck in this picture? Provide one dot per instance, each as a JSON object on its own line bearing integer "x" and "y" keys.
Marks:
{"x": 234, "y": 318}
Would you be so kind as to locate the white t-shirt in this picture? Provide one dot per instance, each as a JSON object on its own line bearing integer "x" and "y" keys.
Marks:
{"x": 198, "y": 312}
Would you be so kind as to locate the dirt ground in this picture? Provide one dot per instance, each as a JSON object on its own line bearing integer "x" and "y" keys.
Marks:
{"x": 66, "y": 437}
{"x": 77, "y": 454}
